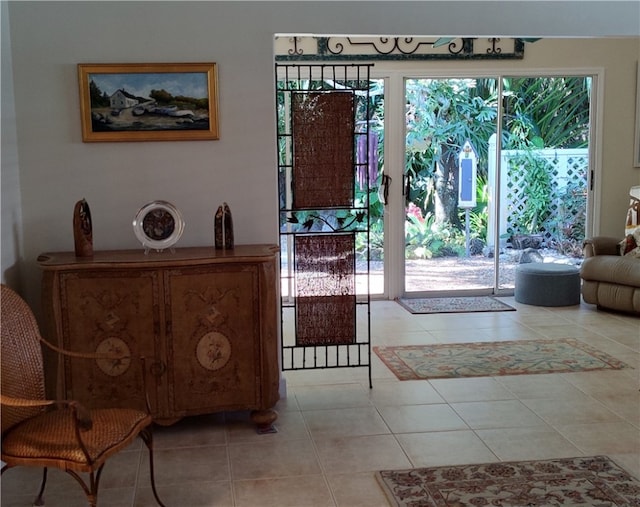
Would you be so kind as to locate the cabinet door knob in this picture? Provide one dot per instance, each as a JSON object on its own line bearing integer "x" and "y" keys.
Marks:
{"x": 158, "y": 368}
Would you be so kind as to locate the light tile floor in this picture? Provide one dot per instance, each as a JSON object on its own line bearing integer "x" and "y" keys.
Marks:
{"x": 334, "y": 432}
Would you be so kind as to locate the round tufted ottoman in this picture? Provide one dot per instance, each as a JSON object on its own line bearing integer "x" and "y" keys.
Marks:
{"x": 547, "y": 284}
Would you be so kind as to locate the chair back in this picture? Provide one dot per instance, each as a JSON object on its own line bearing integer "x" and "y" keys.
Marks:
{"x": 22, "y": 373}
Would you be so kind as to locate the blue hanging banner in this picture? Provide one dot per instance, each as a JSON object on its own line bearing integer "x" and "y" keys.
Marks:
{"x": 467, "y": 172}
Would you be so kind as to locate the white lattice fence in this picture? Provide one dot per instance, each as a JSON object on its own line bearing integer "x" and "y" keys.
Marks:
{"x": 568, "y": 181}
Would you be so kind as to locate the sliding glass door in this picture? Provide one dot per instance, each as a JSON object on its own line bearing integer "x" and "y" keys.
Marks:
{"x": 448, "y": 125}
{"x": 474, "y": 207}
{"x": 468, "y": 176}
{"x": 544, "y": 166}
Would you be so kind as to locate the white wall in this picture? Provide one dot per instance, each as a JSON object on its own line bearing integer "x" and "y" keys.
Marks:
{"x": 11, "y": 227}
{"x": 48, "y": 40}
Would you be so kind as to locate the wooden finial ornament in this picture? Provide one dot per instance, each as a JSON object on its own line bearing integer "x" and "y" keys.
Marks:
{"x": 223, "y": 228}
{"x": 82, "y": 229}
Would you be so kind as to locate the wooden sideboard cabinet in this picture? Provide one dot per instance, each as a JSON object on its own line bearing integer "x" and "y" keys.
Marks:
{"x": 204, "y": 320}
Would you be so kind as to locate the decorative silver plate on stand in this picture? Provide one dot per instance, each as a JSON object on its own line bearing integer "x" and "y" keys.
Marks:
{"x": 158, "y": 225}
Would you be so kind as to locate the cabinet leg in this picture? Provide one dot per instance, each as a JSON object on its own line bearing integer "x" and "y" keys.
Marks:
{"x": 264, "y": 420}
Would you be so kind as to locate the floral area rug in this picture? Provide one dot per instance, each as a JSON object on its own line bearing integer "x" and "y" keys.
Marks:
{"x": 454, "y": 305}
{"x": 586, "y": 482}
{"x": 488, "y": 359}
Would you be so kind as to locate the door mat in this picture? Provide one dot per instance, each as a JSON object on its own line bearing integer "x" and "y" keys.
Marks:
{"x": 454, "y": 304}
{"x": 489, "y": 359}
{"x": 594, "y": 481}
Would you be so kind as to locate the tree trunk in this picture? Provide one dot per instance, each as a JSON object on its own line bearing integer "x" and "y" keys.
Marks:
{"x": 446, "y": 184}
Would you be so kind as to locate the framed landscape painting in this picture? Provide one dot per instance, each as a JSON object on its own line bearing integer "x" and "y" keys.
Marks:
{"x": 148, "y": 102}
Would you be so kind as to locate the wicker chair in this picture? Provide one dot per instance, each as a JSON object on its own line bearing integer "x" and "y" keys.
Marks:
{"x": 44, "y": 433}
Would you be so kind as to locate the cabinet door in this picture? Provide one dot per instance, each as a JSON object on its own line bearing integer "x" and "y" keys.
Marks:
{"x": 213, "y": 338}
{"x": 107, "y": 312}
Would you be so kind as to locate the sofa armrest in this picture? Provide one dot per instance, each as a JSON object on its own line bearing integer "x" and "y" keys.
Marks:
{"x": 600, "y": 245}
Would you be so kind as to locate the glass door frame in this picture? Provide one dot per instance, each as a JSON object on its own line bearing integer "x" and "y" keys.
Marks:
{"x": 394, "y": 163}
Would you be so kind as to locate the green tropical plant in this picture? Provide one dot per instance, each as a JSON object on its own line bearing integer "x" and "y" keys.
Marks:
{"x": 479, "y": 215}
{"x": 426, "y": 239}
{"x": 442, "y": 114}
{"x": 551, "y": 112}
{"x": 572, "y": 212}
{"x": 419, "y": 237}
{"x": 534, "y": 173}
{"x": 375, "y": 237}
{"x": 568, "y": 227}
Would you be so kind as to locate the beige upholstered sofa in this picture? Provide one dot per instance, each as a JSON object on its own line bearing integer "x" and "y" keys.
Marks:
{"x": 609, "y": 279}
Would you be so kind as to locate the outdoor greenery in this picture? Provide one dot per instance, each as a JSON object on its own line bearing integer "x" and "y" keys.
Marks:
{"x": 427, "y": 239}
{"x": 535, "y": 174}
{"x": 441, "y": 115}
{"x": 479, "y": 216}
{"x": 547, "y": 112}
{"x": 568, "y": 227}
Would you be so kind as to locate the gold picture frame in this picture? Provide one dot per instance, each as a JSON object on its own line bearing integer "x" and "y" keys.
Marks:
{"x": 148, "y": 102}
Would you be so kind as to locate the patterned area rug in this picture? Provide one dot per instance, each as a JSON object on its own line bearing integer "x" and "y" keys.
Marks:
{"x": 454, "y": 305}
{"x": 488, "y": 359}
{"x": 586, "y": 482}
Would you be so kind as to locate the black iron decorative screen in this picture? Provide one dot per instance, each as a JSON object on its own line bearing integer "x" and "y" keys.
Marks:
{"x": 359, "y": 48}
{"x": 323, "y": 113}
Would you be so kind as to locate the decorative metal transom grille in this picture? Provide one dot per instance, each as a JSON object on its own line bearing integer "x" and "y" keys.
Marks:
{"x": 299, "y": 48}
